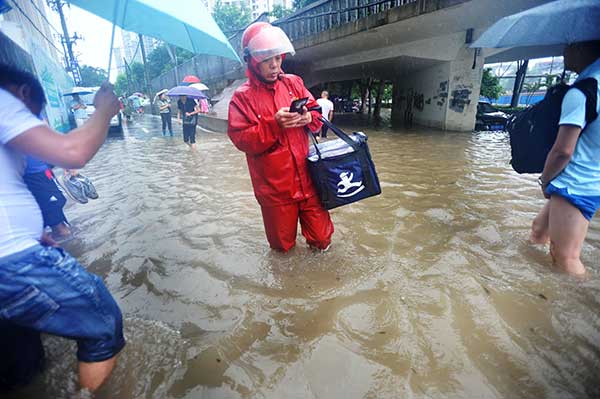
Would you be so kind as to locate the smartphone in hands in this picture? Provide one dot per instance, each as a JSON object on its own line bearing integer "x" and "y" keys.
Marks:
{"x": 297, "y": 105}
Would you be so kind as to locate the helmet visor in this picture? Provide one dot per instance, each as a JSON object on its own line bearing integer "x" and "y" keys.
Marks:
{"x": 269, "y": 42}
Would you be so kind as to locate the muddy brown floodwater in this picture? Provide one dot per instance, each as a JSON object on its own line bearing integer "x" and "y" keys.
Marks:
{"x": 430, "y": 290}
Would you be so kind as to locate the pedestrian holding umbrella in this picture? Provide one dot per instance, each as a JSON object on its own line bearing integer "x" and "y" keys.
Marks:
{"x": 187, "y": 91}
{"x": 188, "y": 111}
{"x": 199, "y": 86}
{"x": 190, "y": 79}
{"x": 164, "y": 109}
{"x": 203, "y": 102}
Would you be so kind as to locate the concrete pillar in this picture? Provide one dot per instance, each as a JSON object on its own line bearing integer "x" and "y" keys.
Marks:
{"x": 465, "y": 84}
{"x": 422, "y": 97}
{"x": 378, "y": 97}
{"x": 443, "y": 96}
{"x": 397, "y": 107}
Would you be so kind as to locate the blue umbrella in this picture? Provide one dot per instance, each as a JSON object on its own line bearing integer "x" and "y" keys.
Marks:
{"x": 183, "y": 23}
{"x": 4, "y": 7}
{"x": 189, "y": 91}
{"x": 559, "y": 22}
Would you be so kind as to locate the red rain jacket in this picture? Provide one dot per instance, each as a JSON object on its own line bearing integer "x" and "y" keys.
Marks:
{"x": 276, "y": 157}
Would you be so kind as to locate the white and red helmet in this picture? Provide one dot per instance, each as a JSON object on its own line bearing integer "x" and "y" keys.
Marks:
{"x": 261, "y": 41}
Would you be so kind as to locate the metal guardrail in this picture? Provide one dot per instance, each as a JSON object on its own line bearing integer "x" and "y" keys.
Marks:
{"x": 328, "y": 14}
{"x": 317, "y": 17}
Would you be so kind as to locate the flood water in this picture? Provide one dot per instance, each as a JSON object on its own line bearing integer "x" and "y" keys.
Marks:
{"x": 429, "y": 290}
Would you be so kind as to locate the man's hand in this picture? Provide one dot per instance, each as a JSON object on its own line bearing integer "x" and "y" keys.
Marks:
{"x": 306, "y": 117}
{"x": 287, "y": 119}
{"x": 105, "y": 101}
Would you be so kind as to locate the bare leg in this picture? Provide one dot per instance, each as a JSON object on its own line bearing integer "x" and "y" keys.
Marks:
{"x": 93, "y": 375}
{"x": 539, "y": 228}
{"x": 61, "y": 230}
{"x": 568, "y": 229}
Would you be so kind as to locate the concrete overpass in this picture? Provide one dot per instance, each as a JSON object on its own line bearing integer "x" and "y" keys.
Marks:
{"x": 419, "y": 45}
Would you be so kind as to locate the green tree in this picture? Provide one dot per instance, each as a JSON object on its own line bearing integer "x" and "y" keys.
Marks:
{"x": 91, "y": 76}
{"x": 490, "y": 85}
{"x": 543, "y": 84}
{"x": 298, "y": 4}
{"x": 387, "y": 93}
{"x": 231, "y": 17}
{"x": 159, "y": 60}
{"x": 136, "y": 76}
{"x": 121, "y": 85}
{"x": 279, "y": 11}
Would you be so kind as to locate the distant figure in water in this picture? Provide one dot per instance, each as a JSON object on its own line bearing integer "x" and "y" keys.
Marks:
{"x": 164, "y": 109}
{"x": 188, "y": 115}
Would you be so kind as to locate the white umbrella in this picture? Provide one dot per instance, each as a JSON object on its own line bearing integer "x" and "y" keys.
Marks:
{"x": 199, "y": 86}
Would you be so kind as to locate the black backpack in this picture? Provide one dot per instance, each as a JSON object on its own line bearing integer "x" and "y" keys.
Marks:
{"x": 533, "y": 131}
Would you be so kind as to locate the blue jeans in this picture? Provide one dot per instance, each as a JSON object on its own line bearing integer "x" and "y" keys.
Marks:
{"x": 166, "y": 122}
{"x": 47, "y": 290}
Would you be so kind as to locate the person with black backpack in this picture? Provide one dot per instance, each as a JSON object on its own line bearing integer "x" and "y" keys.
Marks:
{"x": 571, "y": 175}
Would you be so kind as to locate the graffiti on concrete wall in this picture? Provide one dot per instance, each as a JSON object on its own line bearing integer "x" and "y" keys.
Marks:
{"x": 442, "y": 94}
{"x": 418, "y": 101}
{"x": 460, "y": 98}
{"x": 408, "y": 114}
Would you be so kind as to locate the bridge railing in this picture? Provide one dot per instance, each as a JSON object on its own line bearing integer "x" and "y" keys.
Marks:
{"x": 327, "y": 14}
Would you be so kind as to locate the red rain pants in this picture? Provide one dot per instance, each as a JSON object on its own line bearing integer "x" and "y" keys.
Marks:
{"x": 281, "y": 223}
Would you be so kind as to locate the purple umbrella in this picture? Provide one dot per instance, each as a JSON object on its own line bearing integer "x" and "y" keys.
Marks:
{"x": 186, "y": 91}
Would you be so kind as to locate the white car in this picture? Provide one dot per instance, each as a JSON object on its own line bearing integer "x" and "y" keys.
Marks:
{"x": 116, "y": 123}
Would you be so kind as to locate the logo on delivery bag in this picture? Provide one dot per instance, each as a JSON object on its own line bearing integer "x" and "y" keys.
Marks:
{"x": 348, "y": 188}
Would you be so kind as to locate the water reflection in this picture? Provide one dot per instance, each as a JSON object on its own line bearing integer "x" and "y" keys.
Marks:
{"x": 430, "y": 290}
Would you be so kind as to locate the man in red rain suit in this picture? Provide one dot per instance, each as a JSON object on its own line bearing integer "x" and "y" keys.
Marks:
{"x": 275, "y": 141}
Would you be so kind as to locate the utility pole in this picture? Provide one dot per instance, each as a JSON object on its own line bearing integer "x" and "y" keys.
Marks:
{"x": 146, "y": 87}
{"x": 128, "y": 78}
{"x": 67, "y": 40}
{"x": 519, "y": 80}
{"x": 172, "y": 50}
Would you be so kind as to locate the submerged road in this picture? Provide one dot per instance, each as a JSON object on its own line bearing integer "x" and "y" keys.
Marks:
{"x": 429, "y": 290}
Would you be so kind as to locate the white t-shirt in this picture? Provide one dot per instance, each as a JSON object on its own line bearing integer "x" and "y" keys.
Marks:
{"x": 21, "y": 223}
{"x": 326, "y": 106}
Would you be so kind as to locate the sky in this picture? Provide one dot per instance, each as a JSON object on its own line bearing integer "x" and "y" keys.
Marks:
{"x": 93, "y": 48}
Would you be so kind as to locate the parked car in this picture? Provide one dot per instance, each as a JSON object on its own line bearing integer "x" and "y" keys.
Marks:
{"x": 344, "y": 104}
{"x": 490, "y": 118}
{"x": 116, "y": 123}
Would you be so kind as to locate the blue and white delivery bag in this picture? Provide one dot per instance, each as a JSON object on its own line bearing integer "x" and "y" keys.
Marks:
{"x": 342, "y": 169}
